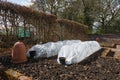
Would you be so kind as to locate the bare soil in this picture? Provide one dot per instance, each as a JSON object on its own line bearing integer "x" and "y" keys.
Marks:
{"x": 48, "y": 69}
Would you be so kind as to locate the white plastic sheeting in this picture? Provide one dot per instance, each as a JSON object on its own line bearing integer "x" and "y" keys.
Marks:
{"x": 77, "y": 52}
{"x": 50, "y": 49}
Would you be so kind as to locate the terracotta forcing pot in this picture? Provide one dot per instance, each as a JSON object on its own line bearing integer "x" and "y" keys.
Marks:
{"x": 19, "y": 53}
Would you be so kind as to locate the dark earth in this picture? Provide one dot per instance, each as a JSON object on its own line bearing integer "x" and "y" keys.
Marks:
{"x": 96, "y": 68}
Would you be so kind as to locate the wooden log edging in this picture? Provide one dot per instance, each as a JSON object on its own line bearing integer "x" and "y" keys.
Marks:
{"x": 117, "y": 52}
{"x": 115, "y": 49}
{"x": 105, "y": 52}
{"x": 11, "y": 74}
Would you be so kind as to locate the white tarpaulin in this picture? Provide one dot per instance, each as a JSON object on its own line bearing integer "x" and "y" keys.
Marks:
{"x": 50, "y": 49}
{"x": 78, "y": 51}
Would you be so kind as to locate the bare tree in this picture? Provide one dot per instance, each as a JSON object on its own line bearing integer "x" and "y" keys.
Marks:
{"x": 106, "y": 11}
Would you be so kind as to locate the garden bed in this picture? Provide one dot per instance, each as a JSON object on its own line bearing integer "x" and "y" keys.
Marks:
{"x": 99, "y": 68}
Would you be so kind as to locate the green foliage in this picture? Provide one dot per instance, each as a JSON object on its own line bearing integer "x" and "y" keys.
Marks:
{"x": 114, "y": 27}
{"x": 99, "y": 30}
